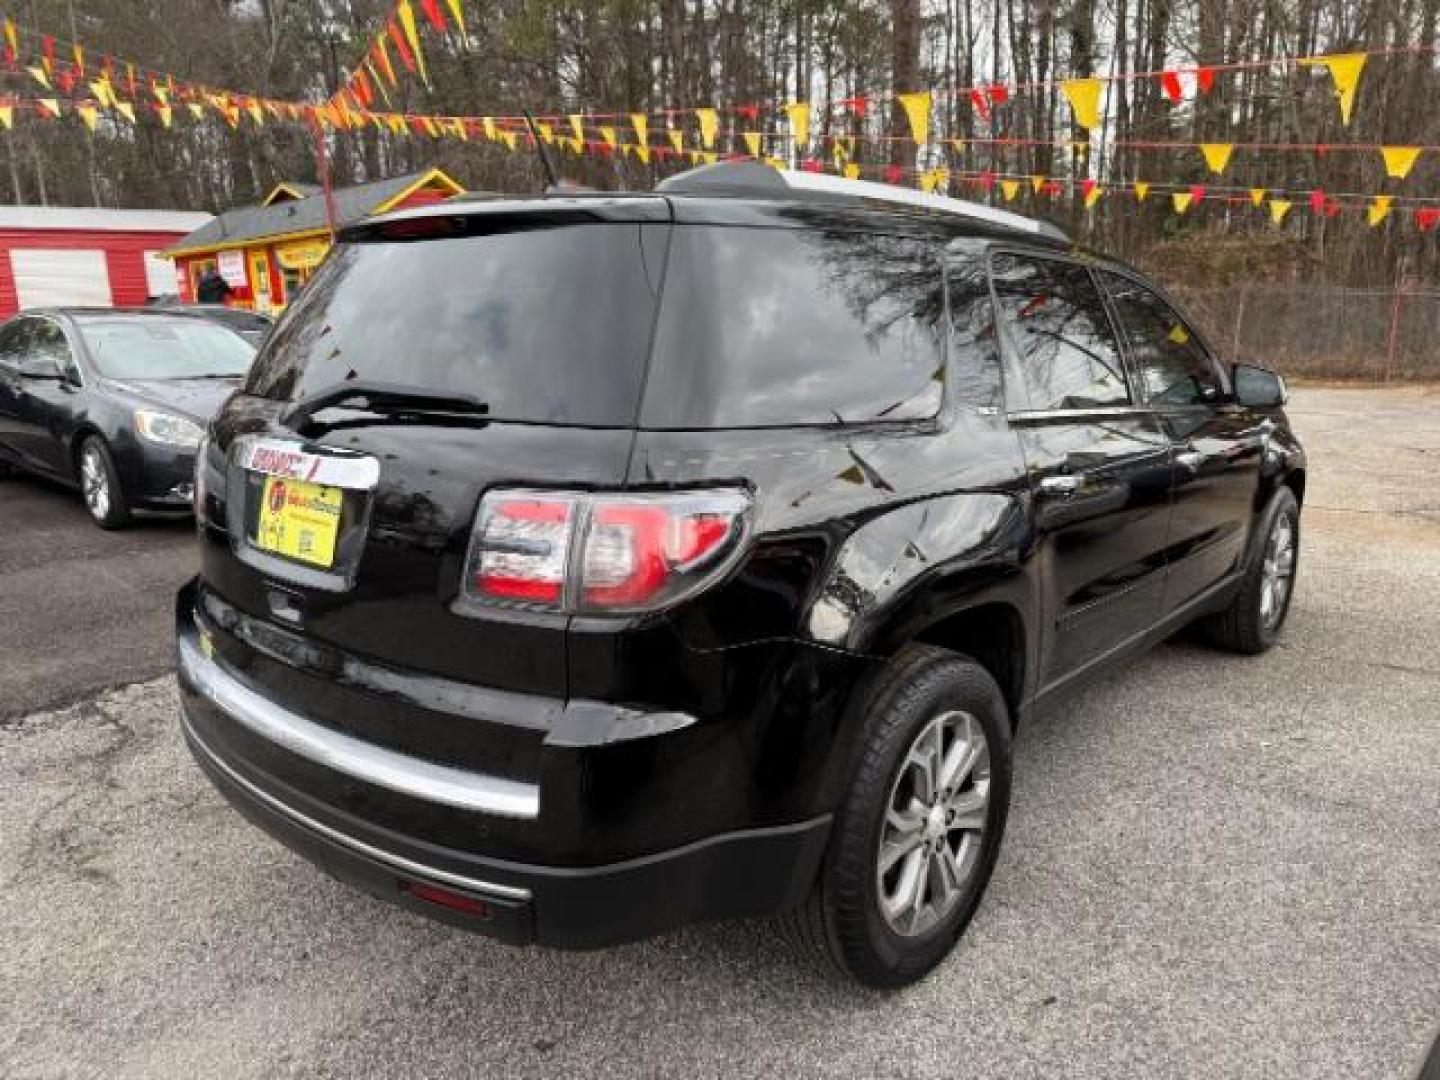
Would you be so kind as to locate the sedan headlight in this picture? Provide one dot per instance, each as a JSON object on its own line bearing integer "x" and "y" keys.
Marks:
{"x": 167, "y": 429}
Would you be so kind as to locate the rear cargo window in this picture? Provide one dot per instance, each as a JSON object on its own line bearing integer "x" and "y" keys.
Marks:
{"x": 547, "y": 325}
{"x": 773, "y": 327}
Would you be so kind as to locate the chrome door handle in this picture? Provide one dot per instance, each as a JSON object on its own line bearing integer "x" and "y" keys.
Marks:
{"x": 1190, "y": 459}
{"x": 1064, "y": 486}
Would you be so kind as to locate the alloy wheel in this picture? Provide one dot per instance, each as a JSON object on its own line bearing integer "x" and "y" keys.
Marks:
{"x": 95, "y": 482}
{"x": 1277, "y": 572}
{"x": 934, "y": 820}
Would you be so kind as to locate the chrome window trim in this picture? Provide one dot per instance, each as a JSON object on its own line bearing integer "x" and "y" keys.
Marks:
{"x": 1102, "y": 411}
{"x": 389, "y": 858}
{"x": 350, "y": 756}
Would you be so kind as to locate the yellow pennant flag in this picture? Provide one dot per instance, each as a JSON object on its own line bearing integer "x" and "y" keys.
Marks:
{"x": 1278, "y": 209}
{"x": 1345, "y": 70}
{"x": 459, "y": 16}
{"x": 1093, "y": 196}
{"x": 101, "y": 90}
{"x": 1142, "y": 190}
{"x": 1399, "y": 160}
{"x": 642, "y": 151}
{"x": 752, "y": 143}
{"x": 1084, "y": 98}
{"x": 50, "y": 105}
{"x": 1217, "y": 155}
{"x": 710, "y": 157}
{"x": 7, "y": 116}
{"x": 608, "y": 134}
{"x": 1182, "y": 200}
{"x": 677, "y": 139}
{"x": 257, "y": 112}
{"x": 89, "y": 114}
{"x": 197, "y": 110}
{"x": 852, "y": 171}
{"x": 1379, "y": 209}
{"x": 1257, "y": 196}
{"x": 508, "y": 137}
{"x": 958, "y": 145}
{"x": 492, "y": 133}
{"x": 125, "y": 109}
{"x": 547, "y": 133}
{"x": 917, "y": 111}
{"x": 641, "y": 124}
{"x": 577, "y": 125}
{"x": 774, "y": 163}
{"x": 10, "y": 38}
{"x": 928, "y": 180}
{"x": 407, "y": 23}
{"x": 166, "y": 114}
{"x": 709, "y": 125}
{"x": 1037, "y": 183}
{"x": 38, "y": 74}
{"x": 1011, "y": 188}
{"x": 799, "y": 114}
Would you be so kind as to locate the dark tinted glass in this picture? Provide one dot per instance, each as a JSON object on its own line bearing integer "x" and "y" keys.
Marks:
{"x": 1170, "y": 363}
{"x": 975, "y": 356}
{"x": 1062, "y": 339}
{"x": 790, "y": 326}
{"x": 542, "y": 324}
{"x": 13, "y": 337}
{"x": 47, "y": 342}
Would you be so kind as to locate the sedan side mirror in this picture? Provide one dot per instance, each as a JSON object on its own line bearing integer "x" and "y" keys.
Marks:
{"x": 1259, "y": 387}
{"x": 40, "y": 367}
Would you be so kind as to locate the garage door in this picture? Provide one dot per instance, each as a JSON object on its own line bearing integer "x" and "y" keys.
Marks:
{"x": 48, "y": 278}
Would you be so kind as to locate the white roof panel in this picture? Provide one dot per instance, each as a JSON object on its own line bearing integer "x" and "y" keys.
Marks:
{"x": 101, "y": 220}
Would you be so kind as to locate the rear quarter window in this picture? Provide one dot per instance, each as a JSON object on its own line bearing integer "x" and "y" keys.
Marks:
{"x": 778, "y": 327}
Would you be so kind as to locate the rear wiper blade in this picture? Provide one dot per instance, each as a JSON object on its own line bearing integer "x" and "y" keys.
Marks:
{"x": 385, "y": 397}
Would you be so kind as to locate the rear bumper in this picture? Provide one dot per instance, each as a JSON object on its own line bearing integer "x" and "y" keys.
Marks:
{"x": 747, "y": 872}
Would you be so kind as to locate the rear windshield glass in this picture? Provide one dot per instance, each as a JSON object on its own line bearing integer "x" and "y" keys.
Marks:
{"x": 161, "y": 348}
{"x": 547, "y": 325}
{"x": 772, "y": 327}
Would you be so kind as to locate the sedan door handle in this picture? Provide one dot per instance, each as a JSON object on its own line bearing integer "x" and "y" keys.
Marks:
{"x": 1064, "y": 486}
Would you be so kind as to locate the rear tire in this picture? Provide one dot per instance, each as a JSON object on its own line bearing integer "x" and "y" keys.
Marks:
{"x": 100, "y": 485}
{"x": 913, "y": 844}
{"x": 1252, "y": 622}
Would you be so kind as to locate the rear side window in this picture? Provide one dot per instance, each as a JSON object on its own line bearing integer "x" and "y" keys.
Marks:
{"x": 1169, "y": 362}
{"x": 543, "y": 324}
{"x": 777, "y": 327}
{"x": 1058, "y": 331}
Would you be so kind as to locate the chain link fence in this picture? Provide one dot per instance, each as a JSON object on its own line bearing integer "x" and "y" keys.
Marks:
{"x": 1323, "y": 332}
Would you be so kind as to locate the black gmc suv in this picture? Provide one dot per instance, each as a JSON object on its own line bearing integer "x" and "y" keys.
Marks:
{"x": 575, "y": 568}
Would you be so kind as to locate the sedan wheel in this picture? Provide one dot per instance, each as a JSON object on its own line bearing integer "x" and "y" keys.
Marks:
{"x": 95, "y": 482}
{"x": 1277, "y": 572}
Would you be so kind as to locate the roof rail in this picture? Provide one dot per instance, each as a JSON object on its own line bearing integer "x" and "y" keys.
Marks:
{"x": 756, "y": 180}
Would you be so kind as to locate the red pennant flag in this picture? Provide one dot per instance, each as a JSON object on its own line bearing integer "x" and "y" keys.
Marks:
{"x": 857, "y": 106}
{"x": 1170, "y": 83}
{"x": 997, "y": 94}
{"x": 1204, "y": 78}
{"x": 1427, "y": 217}
{"x": 811, "y": 166}
{"x": 433, "y": 13}
{"x": 1332, "y": 207}
{"x": 1054, "y": 188}
{"x": 748, "y": 112}
{"x": 1087, "y": 187}
{"x": 131, "y": 83}
{"x": 893, "y": 174}
{"x": 980, "y": 104}
{"x": 381, "y": 57}
{"x": 398, "y": 40}
{"x": 1317, "y": 200}
{"x": 47, "y": 45}
{"x": 987, "y": 181}
{"x": 360, "y": 89}
{"x": 66, "y": 81}
{"x": 1197, "y": 194}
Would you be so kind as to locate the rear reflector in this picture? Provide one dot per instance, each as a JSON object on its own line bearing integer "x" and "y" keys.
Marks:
{"x": 635, "y": 552}
{"x": 466, "y": 905}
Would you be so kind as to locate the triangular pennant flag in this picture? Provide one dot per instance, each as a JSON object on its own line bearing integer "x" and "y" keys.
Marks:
{"x": 928, "y": 179}
{"x": 38, "y": 74}
{"x": 1345, "y": 70}
{"x": 1317, "y": 200}
{"x": 1037, "y": 183}
{"x": 641, "y": 124}
{"x": 166, "y": 114}
{"x": 799, "y": 114}
{"x": 197, "y": 110}
{"x": 1204, "y": 79}
{"x": 1142, "y": 190}
{"x": 709, "y": 124}
{"x": 1426, "y": 218}
{"x": 381, "y": 55}
{"x": 1197, "y": 194}
{"x": 981, "y": 104}
{"x": 997, "y": 94}
{"x": 608, "y": 135}
{"x": 547, "y": 133}
{"x": 1084, "y": 98}
{"x": 1257, "y": 196}
{"x": 7, "y": 116}
{"x": 852, "y": 171}
{"x": 457, "y": 14}
{"x": 1170, "y": 83}
{"x": 509, "y": 139}
{"x": 79, "y": 53}
{"x": 1379, "y": 209}
{"x": 857, "y": 105}
{"x": 752, "y": 143}
{"x": 1181, "y": 201}
{"x": 1278, "y": 209}
{"x": 577, "y": 125}
{"x": 256, "y": 111}
{"x": 642, "y": 151}
{"x": 487, "y": 125}
{"x": 12, "y": 49}
{"x": 1217, "y": 155}
{"x": 1399, "y": 160}
{"x": 407, "y": 23}
{"x": 1010, "y": 188}
{"x": 917, "y": 111}
{"x": 432, "y": 11}
{"x": 397, "y": 38}
{"x": 1092, "y": 196}
{"x": 50, "y": 106}
{"x": 125, "y": 109}
{"x": 677, "y": 139}
{"x": 89, "y": 114}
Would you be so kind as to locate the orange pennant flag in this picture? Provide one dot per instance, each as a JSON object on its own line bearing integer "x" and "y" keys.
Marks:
{"x": 381, "y": 55}
{"x": 1084, "y": 98}
{"x": 1217, "y": 155}
{"x": 917, "y": 111}
{"x": 1092, "y": 196}
{"x": 1399, "y": 160}
{"x": 407, "y": 23}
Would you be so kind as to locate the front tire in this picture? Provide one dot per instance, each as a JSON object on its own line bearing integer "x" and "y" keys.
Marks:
{"x": 916, "y": 838}
{"x": 100, "y": 485}
{"x": 1252, "y": 622}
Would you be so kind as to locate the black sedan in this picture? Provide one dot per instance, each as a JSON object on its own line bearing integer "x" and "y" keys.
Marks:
{"x": 114, "y": 402}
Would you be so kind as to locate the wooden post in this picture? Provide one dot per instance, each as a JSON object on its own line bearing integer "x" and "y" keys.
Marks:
{"x": 322, "y": 168}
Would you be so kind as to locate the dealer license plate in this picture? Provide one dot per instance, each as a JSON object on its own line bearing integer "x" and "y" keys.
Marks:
{"x": 299, "y": 520}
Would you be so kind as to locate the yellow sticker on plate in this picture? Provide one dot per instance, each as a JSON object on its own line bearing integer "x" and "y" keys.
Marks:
{"x": 299, "y": 520}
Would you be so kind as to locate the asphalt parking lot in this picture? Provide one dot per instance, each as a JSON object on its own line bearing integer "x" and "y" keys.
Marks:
{"x": 1215, "y": 866}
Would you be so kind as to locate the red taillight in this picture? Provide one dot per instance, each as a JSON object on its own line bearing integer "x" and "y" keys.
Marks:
{"x": 466, "y": 905}
{"x": 635, "y": 552}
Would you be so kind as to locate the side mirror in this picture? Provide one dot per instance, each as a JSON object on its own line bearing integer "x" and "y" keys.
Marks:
{"x": 40, "y": 367}
{"x": 1259, "y": 387}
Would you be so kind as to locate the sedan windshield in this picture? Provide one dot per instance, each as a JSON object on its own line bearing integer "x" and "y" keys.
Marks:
{"x": 166, "y": 348}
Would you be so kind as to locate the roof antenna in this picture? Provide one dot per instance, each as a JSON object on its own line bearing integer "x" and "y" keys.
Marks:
{"x": 540, "y": 147}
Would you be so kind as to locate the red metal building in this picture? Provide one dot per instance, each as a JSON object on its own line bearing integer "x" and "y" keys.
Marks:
{"x": 60, "y": 255}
